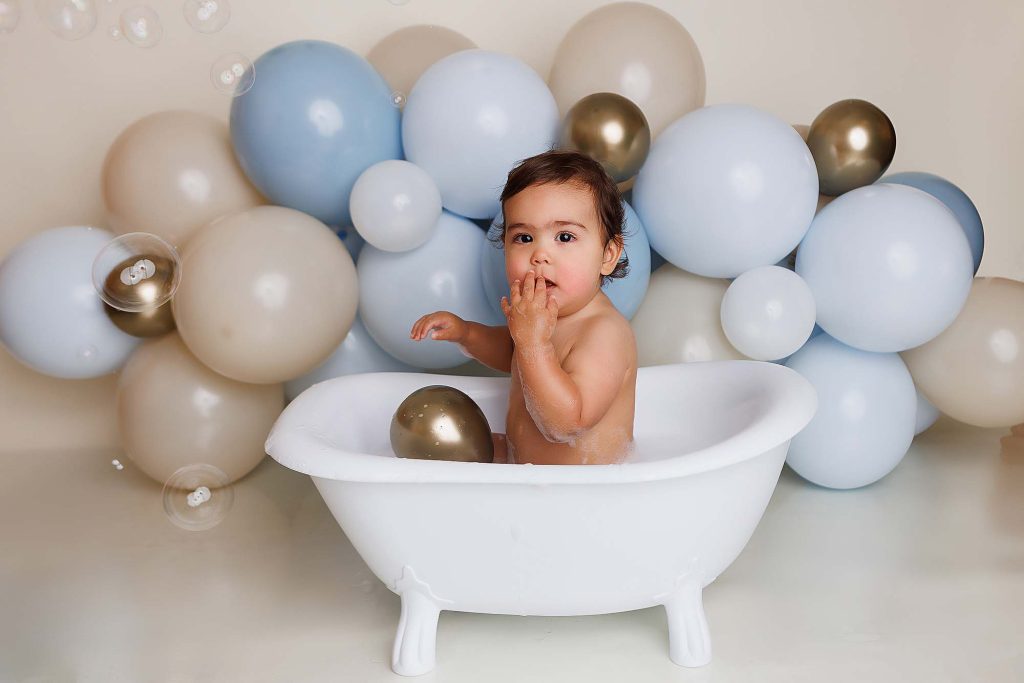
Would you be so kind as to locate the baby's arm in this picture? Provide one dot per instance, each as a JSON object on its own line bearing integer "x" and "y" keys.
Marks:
{"x": 492, "y": 346}
{"x": 567, "y": 400}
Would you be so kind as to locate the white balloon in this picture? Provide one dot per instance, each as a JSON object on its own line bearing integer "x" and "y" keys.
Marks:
{"x": 51, "y": 316}
{"x": 470, "y": 118}
{"x": 679, "y": 320}
{"x": 725, "y": 189}
{"x": 357, "y": 353}
{"x": 397, "y": 288}
{"x": 395, "y": 205}
{"x": 768, "y": 313}
{"x": 867, "y": 408}
{"x": 889, "y": 266}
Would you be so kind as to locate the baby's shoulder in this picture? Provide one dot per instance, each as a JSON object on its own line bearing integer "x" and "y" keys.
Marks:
{"x": 606, "y": 328}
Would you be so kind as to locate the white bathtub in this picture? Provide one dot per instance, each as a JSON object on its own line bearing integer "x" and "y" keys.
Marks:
{"x": 553, "y": 540}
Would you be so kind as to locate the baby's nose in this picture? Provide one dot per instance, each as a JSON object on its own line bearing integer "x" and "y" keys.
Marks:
{"x": 539, "y": 256}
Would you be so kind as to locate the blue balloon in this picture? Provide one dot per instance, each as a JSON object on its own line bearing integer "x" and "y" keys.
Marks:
{"x": 317, "y": 116}
{"x": 953, "y": 197}
{"x": 626, "y": 293}
{"x": 867, "y": 411}
{"x": 470, "y": 118}
{"x": 396, "y": 288}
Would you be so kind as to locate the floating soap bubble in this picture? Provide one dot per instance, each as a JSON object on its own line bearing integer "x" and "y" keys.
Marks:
{"x": 141, "y": 26}
{"x": 207, "y": 16}
{"x": 69, "y": 19}
{"x": 10, "y": 13}
{"x": 198, "y": 497}
{"x": 398, "y": 99}
{"x": 117, "y": 464}
{"x": 399, "y": 2}
{"x": 136, "y": 272}
{"x": 114, "y": 32}
{"x": 233, "y": 74}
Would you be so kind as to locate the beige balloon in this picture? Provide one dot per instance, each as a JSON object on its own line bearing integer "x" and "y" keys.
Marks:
{"x": 402, "y": 57}
{"x": 823, "y": 199}
{"x": 974, "y": 370}
{"x": 172, "y": 172}
{"x": 637, "y": 51}
{"x": 174, "y": 411}
{"x": 680, "y": 319}
{"x": 266, "y": 294}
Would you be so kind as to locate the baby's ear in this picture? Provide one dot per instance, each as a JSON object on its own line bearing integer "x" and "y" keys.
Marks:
{"x": 612, "y": 252}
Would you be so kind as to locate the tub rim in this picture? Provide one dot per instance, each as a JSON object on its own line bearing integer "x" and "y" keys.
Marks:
{"x": 295, "y": 443}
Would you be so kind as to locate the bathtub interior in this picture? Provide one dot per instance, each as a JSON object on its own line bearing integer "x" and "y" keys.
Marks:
{"x": 680, "y": 409}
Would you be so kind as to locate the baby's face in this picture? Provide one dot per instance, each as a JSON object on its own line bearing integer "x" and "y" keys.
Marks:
{"x": 555, "y": 230}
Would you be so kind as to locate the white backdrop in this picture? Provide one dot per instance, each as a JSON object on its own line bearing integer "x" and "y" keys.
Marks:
{"x": 947, "y": 74}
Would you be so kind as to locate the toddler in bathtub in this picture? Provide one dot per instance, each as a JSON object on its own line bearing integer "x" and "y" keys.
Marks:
{"x": 571, "y": 354}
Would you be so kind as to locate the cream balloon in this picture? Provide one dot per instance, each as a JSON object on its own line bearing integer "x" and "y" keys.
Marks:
{"x": 174, "y": 411}
{"x": 402, "y": 57}
{"x": 266, "y": 294}
{"x": 172, "y": 172}
{"x": 637, "y": 51}
{"x": 974, "y": 370}
{"x": 680, "y": 321}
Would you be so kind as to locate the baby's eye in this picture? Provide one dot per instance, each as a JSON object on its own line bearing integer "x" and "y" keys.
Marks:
{"x": 568, "y": 235}
{"x": 515, "y": 238}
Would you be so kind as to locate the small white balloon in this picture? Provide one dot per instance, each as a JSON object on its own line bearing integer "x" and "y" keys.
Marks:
{"x": 395, "y": 205}
{"x": 768, "y": 313}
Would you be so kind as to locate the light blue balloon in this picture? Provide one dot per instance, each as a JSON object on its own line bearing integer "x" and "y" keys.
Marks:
{"x": 927, "y": 414}
{"x": 867, "y": 408}
{"x": 398, "y": 288}
{"x": 626, "y": 293}
{"x": 317, "y": 116}
{"x": 955, "y": 199}
{"x": 351, "y": 238}
{"x": 51, "y": 316}
{"x": 725, "y": 189}
{"x": 470, "y": 118}
{"x": 356, "y": 353}
{"x": 889, "y": 267}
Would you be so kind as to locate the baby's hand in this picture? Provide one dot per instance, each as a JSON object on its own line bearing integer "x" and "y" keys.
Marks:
{"x": 532, "y": 313}
{"x": 440, "y": 325}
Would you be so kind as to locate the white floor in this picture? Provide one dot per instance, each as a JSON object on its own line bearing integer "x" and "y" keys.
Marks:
{"x": 919, "y": 577}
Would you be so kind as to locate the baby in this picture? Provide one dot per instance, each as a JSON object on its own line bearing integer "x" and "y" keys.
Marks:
{"x": 571, "y": 354}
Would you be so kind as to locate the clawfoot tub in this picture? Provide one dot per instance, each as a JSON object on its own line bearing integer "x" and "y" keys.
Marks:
{"x": 553, "y": 540}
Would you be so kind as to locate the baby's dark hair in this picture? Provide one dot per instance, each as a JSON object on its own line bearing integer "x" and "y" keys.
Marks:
{"x": 562, "y": 166}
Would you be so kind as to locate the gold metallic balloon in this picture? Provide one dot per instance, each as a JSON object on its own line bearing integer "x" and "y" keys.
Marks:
{"x": 151, "y": 322}
{"x": 439, "y": 422}
{"x": 853, "y": 143}
{"x": 140, "y": 282}
{"x": 612, "y": 130}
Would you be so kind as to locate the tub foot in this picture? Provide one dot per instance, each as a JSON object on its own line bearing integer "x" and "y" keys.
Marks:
{"x": 415, "y": 642}
{"x": 689, "y": 643}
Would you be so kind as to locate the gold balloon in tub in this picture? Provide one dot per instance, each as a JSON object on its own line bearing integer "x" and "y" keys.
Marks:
{"x": 439, "y": 422}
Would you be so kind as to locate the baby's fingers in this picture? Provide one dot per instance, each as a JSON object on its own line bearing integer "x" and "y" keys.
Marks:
{"x": 515, "y": 293}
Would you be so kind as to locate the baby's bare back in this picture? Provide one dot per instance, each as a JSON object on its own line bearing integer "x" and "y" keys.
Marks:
{"x": 608, "y": 441}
